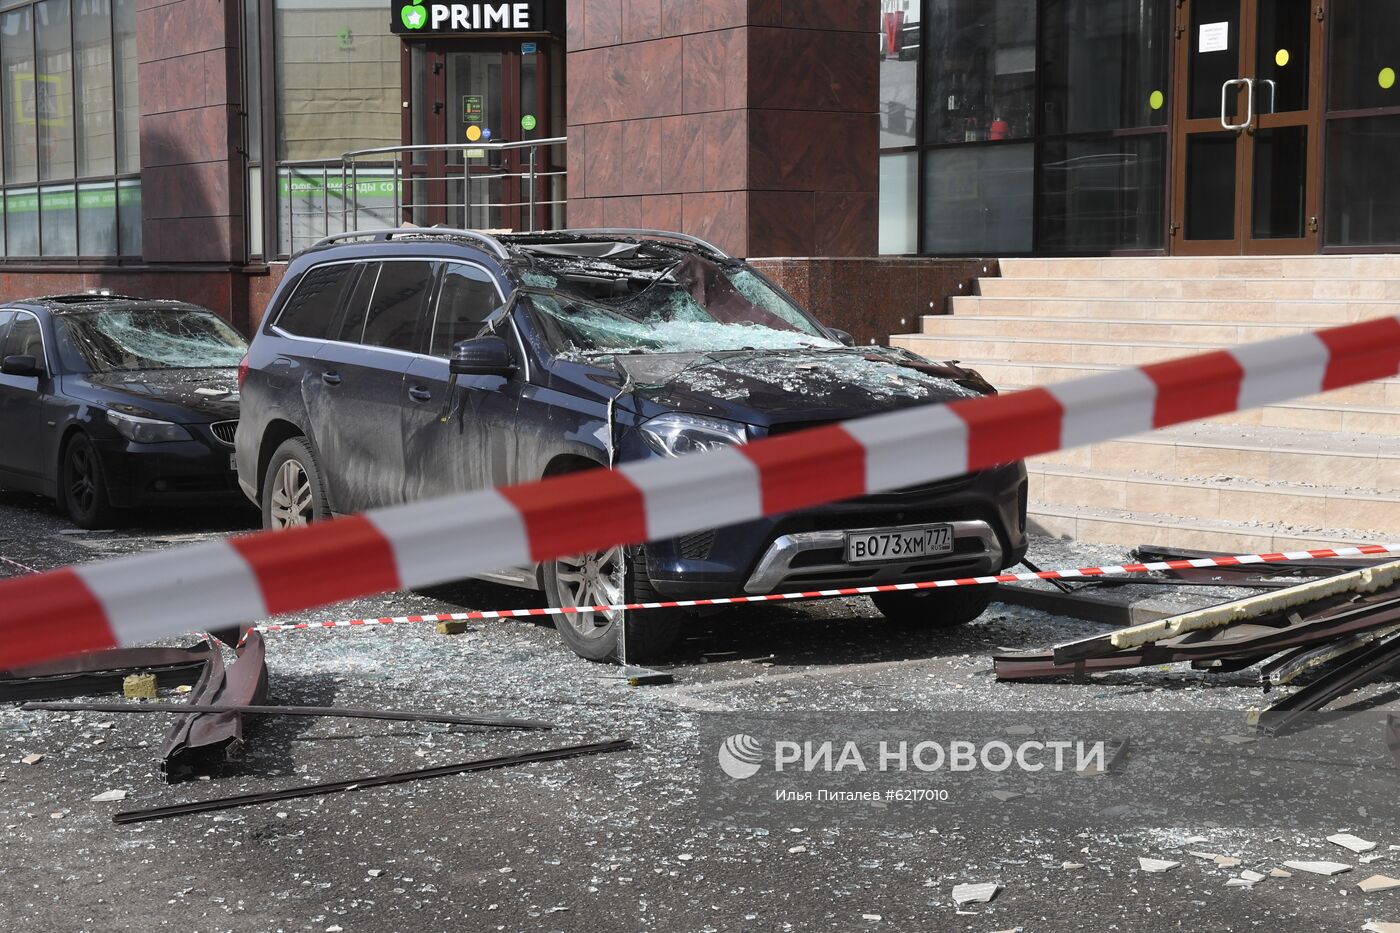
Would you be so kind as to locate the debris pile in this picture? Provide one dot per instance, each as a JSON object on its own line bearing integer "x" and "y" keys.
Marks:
{"x": 1336, "y": 619}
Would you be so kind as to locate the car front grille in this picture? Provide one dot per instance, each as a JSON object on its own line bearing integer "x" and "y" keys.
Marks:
{"x": 224, "y": 431}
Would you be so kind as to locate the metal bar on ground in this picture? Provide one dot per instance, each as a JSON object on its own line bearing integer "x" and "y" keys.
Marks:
{"x": 400, "y": 777}
{"x": 1356, "y": 671}
{"x": 327, "y": 711}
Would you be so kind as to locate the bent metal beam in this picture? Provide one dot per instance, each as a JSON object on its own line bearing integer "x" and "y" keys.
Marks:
{"x": 139, "y": 598}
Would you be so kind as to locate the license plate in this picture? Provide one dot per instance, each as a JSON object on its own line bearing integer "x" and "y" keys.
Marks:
{"x": 233, "y": 462}
{"x": 903, "y": 544}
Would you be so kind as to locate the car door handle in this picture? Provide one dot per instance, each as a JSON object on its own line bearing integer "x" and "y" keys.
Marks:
{"x": 331, "y": 378}
{"x": 420, "y": 394}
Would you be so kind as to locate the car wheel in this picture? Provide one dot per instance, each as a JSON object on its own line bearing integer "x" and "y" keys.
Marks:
{"x": 607, "y": 578}
{"x": 934, "y": 609}
{"x": 293, "y": 492}
{"x": 85, "y": 486}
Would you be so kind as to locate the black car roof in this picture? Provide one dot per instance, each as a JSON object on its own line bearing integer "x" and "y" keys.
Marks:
{"x": 510, "y": 248}
{"x": 90, "y": 303}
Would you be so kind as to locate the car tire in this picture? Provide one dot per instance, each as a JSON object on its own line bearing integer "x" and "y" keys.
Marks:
{"x": 85, "y": 486}
{"x": 649, "y": 634}
{"x": 294, "y": 488}
{"x": 934, "y": 609}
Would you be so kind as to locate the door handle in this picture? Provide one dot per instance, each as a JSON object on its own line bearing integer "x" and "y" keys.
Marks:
{"x": 331, "y": 378}
{"x": 1248, "y": 84}
{"x": 1273, "y": 94}
{"x": 420, "y": 394}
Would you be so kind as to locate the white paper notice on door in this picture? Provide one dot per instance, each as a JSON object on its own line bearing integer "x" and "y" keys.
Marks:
{"x": 1215, "y": 37}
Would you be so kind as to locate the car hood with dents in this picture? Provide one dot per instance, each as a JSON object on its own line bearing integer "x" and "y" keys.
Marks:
{"x": 185, "y": 396}
{"x": 767, "y": 387}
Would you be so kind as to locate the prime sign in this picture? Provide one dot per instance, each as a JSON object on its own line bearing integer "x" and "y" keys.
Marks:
{"x": 413, "y": 16}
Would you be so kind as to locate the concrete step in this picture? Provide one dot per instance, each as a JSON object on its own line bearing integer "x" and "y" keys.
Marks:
{"x": 1229, "y": 500}
{"x": 1128, "y": 529}
{"x": 1225, "y": 333}
{"x": 1261, "y": 455}
{"x": 1190, "y": 267}
{"x": 1311, "y": 313}
{"x": 1268, "y": 289}
{"x": 1381, "y": 394}
{"x": 1049, "y": 350}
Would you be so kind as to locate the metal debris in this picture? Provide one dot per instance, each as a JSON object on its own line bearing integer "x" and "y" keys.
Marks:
{"x": 200, "y": 742}
{"x": 316, "y": 711}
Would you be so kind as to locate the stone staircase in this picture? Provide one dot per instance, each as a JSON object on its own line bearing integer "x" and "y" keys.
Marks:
{"x": 1310, "y": 473}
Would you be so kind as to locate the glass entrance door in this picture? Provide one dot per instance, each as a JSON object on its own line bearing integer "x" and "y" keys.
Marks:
{"x": 465, "y": 98}
{"x": 1247, "y": 145}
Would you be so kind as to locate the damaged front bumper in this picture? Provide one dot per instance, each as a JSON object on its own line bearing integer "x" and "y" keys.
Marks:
{"x": 805, "y": 550}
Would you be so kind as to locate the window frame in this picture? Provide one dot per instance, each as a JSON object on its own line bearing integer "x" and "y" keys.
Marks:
{"x": 426, "y": 344}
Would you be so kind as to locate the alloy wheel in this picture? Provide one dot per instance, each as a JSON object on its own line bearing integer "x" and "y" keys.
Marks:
{"x": 293, "y": 504}
{"x": 597, "y": 579}
{"x": 82, "y": 485}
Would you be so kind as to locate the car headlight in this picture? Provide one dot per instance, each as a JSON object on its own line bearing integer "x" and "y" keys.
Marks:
{"x": 146, "y": 430}
{"x": 676, "y": 435}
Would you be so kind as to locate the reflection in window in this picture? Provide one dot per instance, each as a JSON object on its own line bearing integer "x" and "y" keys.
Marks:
{"x": 128, "y": 96}
{"x": 17, "y": 59}
{"x": 92, "y": 82}
{"x": 1105, "y": 64}
{"x": 1363, "y": 188}
{"x": 1099, "y": 195}
{"x": 53, "y": 90}
{"x": 899, "y": 72}
{"x": 1364, "y": 56}
{"x": 979, "y": 199}
{"x": 981, "y": 79}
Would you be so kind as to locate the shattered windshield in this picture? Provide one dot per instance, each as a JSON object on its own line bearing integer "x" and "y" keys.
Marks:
{"x": 147, "y": 338}
{"x": 607, "y": 307}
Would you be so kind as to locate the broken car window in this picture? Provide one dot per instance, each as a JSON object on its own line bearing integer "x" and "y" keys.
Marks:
{"x": 128, "y": 340}
{"x": 666, "y": 304}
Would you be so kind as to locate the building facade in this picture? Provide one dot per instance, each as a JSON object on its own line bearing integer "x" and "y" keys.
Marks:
{"x": 186, "y": 148}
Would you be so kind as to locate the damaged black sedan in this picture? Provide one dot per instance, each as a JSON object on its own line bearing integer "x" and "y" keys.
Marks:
{"x": 401, "y": 365}
{"x": 108, "y": 403}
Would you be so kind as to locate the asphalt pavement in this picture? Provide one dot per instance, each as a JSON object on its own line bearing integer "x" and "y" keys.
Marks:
{"x": 633, "y": 840}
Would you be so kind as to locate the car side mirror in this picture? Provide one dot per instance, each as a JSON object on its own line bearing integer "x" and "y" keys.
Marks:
{"x": 21, "y": 366}
{"x": 842, "y": 336}
{"x": 482, "y": 356}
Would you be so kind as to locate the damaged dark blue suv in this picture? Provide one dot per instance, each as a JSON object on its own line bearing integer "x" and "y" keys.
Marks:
{"x": 407, "y": 364}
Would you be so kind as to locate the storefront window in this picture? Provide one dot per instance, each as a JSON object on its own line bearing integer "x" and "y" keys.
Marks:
{"x": 1363, "y": 188}
{"x": 337, "y": 78}
{"x": 93, "y": 91}
{"x": 978, "y": 199}
{"x": 1364, "y": 59}
{"x": 981, "y": 80}
{"x": 17, "y": 59}
{"x": 1099, "y": 195}
{"x": 1105, "y": 65}
{"x": 899, "y": 72}
{"x": 899, "y": 203}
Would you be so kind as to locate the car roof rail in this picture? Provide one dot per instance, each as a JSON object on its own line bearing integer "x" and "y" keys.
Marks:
{"x": 389, "y": 233}
{"x": 642, "y": 232}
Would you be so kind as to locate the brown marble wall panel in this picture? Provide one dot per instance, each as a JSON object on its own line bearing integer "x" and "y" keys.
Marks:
{"x": 847, "y": 223}
{"x": 641, "y": 20}
{"x": 810, "y": 151}
{"x": 602, "y": 161}
{"x": 576, "y": 158}
{"x": 861, "y": 16}
{"x": 187, "y": 239}
{"x": 664, "y": 212}
{"x": 640, "y": 156}
{"x": 819, "y": 70}
{"x": 260, "y": 290}
{"x": 683, "y": 154}
{"x": 585, "y": 212}
{"x": 714, "y": 70}
{"x": 622, "y": 212}
{"x": 726, "y": 150}
{"x": 781, "y": 223}
{"x": 874, "y": 298}
{"x": 630, "y": 82}
{"x": 197, "y": 189}
{"x": 600, "y": 23}
{"x": 720, "y": 217}
{"x": 182, "y": 28}
{"x": 687, "y": 17}
{"x": 181, "y": 82}
{"x": 200, "y": 135}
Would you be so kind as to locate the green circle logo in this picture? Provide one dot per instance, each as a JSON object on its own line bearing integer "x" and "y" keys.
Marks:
{"x": 414, "y": 16}
{"x": 1387, "y": 78}
{"x": 528, "y": 122}
{"x": 1157, "y": 100}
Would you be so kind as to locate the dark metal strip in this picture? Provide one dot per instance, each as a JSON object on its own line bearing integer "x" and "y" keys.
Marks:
{"x": 401, "y": 777}
{"x": 330, "y": 711}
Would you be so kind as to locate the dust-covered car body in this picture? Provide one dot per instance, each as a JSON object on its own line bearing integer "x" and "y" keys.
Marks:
{"x": 110, "y": 402}
{"x": 598, "y": 348}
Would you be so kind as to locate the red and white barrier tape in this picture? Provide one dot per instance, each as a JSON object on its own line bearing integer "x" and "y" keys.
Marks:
{"x": 1082, "y": 573}
{"x": 134, "y": 599}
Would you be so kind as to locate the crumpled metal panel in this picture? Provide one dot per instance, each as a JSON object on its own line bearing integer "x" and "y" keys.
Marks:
{"x": 201, "y": 742}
